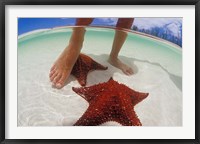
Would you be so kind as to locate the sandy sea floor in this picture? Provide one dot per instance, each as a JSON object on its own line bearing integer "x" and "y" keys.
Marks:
{"x": 157, "y": 67}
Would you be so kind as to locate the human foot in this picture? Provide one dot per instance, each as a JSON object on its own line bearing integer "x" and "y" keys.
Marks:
{"x": 62, "y": 68}
{"x": 117, "y": 63}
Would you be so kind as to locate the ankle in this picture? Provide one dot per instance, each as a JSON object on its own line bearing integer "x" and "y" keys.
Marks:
{"x": 113, "y": 58}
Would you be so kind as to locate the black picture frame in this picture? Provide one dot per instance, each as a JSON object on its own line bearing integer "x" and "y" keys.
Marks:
{"x": 4, "y": 3}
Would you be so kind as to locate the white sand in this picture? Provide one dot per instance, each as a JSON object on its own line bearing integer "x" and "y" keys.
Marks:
{"x": 41, "y": 105}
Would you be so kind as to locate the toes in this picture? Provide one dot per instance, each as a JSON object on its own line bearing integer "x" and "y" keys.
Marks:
{"x": 126, "y": 72}
{"x": 56, "y": 78}
{"x": 130, "y": 71}
{"x": 61, "y": 82}
{"x": 53, "y": 76}
{"x": 51, "y": 73}
{"x": 53, "y": 67}
{"x": 59, "y": 86}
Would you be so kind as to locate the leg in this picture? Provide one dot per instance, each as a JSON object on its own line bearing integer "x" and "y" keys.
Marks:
{"x": 61, "y": 69}
{"x": 120, "y": 37}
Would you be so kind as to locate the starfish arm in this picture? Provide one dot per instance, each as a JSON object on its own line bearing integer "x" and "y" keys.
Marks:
{"x": 137, "y": 97}
{"x": 135, "y": 121}
{"x": 110, "y": 101}
{"x": 82, "y": 79}
{"x": 90, "y": 63}
{"x": 122, "y": 111}
{"x": 89, "y": 93}
{"x": 80, "y": 91}
{"x": 130, "y": 120}
{"x": 80, "y": 72}
{"x": 93, "y": 64}
{"x": 83, "y": 66}
{"x": 95, "y": 116}
{"x": 92, "y": 117}
{"x": 97, "y": 66}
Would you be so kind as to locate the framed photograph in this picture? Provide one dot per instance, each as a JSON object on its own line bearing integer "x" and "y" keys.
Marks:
{"x": 99, "y": 72}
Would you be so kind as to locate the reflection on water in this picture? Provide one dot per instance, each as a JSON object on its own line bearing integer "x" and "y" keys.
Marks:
{"x": 157, "y": 69}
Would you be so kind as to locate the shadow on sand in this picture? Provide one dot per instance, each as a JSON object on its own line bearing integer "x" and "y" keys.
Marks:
{"x": 102, "y": 59}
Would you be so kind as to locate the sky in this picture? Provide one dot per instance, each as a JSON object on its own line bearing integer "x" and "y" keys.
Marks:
{"x": 30, "y": 24}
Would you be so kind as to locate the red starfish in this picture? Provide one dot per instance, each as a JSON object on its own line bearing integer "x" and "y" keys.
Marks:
{"x": 110, "y": 101}
{"x": 83, "y": 66}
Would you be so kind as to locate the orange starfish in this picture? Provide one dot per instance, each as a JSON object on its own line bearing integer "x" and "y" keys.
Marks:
{"x": 110, "y": 101}
{"x": 83, "y": 66}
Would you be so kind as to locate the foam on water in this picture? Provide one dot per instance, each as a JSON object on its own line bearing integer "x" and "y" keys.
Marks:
{"x": 157, "y": 67}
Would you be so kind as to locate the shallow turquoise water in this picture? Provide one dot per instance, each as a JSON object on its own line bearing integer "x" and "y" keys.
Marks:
{"x": 99, "y": 41}
{"x": 157, "y": 66}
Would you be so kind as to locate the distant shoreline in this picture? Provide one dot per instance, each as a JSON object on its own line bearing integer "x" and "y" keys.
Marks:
{"x": 108, "y": 27}
{"x": 128, "y": 30}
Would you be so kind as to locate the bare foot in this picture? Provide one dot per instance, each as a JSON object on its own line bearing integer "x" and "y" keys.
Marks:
{"x": 62, "y": 68}
{"x": 117, "y": 63}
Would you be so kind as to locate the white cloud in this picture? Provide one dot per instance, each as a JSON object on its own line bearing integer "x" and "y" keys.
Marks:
{"x": 109, "y": 21}
{"x": 148, "y": 23}
{"x": 144, "y": 23}
{"x": 174, "y": 28}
